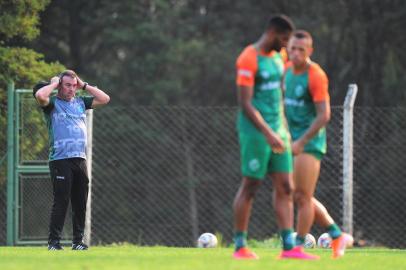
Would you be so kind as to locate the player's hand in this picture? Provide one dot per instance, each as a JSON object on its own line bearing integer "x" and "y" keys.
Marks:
{"x": 80, "y": 83}
{"x": 276, "y": 142}
{"x": 55, "y": 80}
{"x": 297, "y": 147}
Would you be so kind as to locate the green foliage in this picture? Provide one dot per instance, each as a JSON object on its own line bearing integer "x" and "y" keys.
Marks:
{"x": 20, "y": 18}
{"x": 25, "y": 67}
{"x": 19, "y": 22}
{"x": 183, "y": 52}
{"x": 33, "y": 131}
{"x": 393, "y": 77}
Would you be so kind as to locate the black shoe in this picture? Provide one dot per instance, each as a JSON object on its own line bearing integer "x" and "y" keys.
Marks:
{"x": 55, "y": 246}
{"x": 80, "y": 246}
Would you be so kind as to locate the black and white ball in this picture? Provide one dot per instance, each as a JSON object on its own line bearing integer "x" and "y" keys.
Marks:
{"x": 324, "y": 241}
{"x": 207, "y": 240}
{"x": 310, "y": 241}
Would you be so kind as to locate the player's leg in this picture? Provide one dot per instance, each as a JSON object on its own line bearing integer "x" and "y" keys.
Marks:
{"x": 340, "y": 240}
{"x": 61, "y": 177}
{"x": 282, "y": 180}
{"x": 321, "y": 215}
{"x": 80, "y": 189}
{"x": 323, "y": 219}
{"x": 243, "y": 203}
{"x": 242, "y": 211}
{"x": 306, "y": 173}
{"x": 303, "y": 171}
{"x": 255, "y": 153}
{"x": 283, "y": 206}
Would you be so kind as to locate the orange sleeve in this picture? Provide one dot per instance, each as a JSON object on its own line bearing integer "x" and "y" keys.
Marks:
{"x": 287, "y": 65}
{"x": 318, "y": 84}
{"x": 247, "y": 67}
{"x": 284, "y": 55}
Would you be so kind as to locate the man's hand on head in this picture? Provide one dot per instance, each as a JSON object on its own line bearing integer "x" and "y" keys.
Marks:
{"x": 80, "y": 83}
{"x": 55, "y": 80}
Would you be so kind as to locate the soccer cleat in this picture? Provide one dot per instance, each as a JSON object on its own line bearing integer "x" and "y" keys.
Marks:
{"x": 80, "y": 246}
{"x": 245, "y": 254}
{"x": 55, "y": 246}
{"x": 340, "y": 244}
{"x": 297, "y": 253}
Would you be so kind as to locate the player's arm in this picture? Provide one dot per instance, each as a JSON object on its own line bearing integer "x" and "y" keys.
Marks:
{"x": 100, "y": 98}
{"x": 246, "y": 68}
{"x": 321, "y": 120}
{"x": 43, "y": 94}
{"x": 245, "y": 94}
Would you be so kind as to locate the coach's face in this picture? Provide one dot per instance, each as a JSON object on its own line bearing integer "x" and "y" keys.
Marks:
{"x": 67, "y": 88}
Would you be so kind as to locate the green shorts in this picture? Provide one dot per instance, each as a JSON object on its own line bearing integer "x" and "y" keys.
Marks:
{"x": 258, "y": 160}
{"x": 316, "y": 146}
{"x": 317, "y": 154}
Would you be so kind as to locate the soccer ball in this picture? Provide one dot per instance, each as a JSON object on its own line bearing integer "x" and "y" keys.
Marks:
{"x": 207, "y": 240}
{"x": 310, "y": 241}
{"x": 324, "y": 241}
{"x": 350, "y": 241}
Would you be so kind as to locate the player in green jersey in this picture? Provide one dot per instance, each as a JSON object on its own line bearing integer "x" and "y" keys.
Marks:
{"x": 307, "y": 104}
{"x": 264, "y": 138}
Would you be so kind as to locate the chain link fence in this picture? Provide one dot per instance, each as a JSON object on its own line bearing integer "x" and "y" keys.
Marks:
{"x": 172, "y": 173}
{"x": 3, "y": 168}
{"x": 164, "y": 175}
{"x": 379, "y": 174}
{"x": 34, "y": 189}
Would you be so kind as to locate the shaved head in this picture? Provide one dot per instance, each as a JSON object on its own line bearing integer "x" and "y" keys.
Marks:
{"x": 302, "y": 34}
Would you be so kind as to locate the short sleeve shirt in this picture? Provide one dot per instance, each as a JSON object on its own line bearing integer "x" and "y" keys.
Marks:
{"x": 66, "y": 122}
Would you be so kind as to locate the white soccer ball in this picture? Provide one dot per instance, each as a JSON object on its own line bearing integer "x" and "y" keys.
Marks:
{"x": 324, "y": 241}
{"x": 349, "y": 240}
{"x": 207, "y": 240}
{"x": 310, "y": 241}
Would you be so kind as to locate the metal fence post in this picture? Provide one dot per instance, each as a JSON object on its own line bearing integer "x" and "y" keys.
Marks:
{"x": 348, "y": 115}
{"x": 89, "y": 158}
{"x": 191, "y": 182}
{"x": 10, "y": 164}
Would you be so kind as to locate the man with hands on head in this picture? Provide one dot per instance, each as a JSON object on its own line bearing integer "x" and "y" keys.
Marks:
{"x": 66, "y": 121}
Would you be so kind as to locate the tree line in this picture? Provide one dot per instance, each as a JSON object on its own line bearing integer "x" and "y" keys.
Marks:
{"x": 182, "y": 52}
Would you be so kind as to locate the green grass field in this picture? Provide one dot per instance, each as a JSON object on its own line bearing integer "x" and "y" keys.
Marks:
{"x": 151, "y": 258}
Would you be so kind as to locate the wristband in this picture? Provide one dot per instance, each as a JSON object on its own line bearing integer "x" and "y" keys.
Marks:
{"x": 84, "y": 85}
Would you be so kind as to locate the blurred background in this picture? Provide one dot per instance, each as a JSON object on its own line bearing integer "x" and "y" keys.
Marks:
{"x": 166, "y": 158}
{"x": 183, "y": 52}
